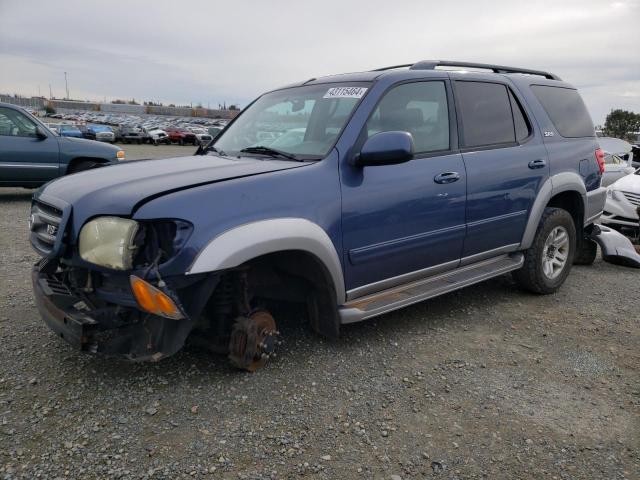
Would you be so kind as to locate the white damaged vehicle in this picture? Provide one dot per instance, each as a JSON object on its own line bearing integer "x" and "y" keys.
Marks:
{"x": 622, "y": 204}
{"x": 157, "y": 136}
{"x": 618, "y": 159}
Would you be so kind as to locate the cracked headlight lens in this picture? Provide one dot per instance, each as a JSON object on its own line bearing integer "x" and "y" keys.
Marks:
{"x": 109, "y": 242}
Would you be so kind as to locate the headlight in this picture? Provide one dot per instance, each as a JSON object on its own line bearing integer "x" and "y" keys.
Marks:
{"x": 120, "y": 155}
{"x": 109, "y": 242}
{"x": 613, "y": 194}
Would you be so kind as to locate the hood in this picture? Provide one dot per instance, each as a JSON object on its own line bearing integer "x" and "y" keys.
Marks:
{"x": 614, "y": 145}
{"x": 119, "y": 189}
{"x": 86, "y": 147}
{"x": 628, "y": 183}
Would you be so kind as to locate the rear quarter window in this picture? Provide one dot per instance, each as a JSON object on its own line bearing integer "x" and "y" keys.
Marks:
{"x": 566, "y": 110}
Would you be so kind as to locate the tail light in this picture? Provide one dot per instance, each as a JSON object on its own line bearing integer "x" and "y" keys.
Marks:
{"x": 600, "y": 160}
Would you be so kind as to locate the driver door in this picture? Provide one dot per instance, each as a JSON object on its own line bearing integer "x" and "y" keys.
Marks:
{"x": 24, "y": 157}
{"x": 406, "y": 221}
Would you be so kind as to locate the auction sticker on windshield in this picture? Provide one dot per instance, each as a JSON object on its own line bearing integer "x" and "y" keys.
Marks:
{"x": 345, "y": 92}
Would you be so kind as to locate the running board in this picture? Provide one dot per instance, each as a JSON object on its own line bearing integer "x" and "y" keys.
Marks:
{"x": 398, "y": 297}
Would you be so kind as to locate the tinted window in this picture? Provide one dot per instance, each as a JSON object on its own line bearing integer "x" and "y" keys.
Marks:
{"x": 566, "y": 110}
{"x": 522, "y": 127}
{"x": 15, "y": 124}
{"x": 419, "y": 108}
{"x": 486, "y": 113}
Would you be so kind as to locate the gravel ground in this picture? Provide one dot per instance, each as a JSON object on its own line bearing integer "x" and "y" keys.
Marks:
{"x": 487, "y": 382}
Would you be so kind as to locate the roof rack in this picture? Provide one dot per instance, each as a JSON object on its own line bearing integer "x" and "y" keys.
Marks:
{"x": 432, "y": 64}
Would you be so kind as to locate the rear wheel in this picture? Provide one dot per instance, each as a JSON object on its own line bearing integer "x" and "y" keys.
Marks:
{"x": 548, "y": 262}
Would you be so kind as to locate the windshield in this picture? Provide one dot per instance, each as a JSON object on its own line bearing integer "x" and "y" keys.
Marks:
{"x": 302, "y": 121}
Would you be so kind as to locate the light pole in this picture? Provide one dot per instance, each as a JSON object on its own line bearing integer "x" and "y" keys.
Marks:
{"x": 66, "y": 84}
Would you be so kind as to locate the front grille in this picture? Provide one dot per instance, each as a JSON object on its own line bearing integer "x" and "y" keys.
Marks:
{"x": 633, "y": 198}
{"x": 45, "y": 225}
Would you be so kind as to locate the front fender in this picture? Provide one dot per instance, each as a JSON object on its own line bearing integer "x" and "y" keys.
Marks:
{"x": 246, "y": 242}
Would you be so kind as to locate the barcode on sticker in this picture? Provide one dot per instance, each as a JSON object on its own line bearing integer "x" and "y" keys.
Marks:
{"x": 345, "y": 92}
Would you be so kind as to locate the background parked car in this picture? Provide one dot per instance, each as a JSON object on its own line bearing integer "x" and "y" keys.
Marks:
{"x": 69, "y": 131}
{"x": 156, "y": 136}
{"x": 53, "y": 127}
{"x": 622, "y": 205}
{"x": 182, "y": 136}
{"x": 618, "y": 159}
{"x": 31, "y": 154}
{"x": 202, "y": 135}
{"x": 101, "y": 133}
{"x": 130, "y": 135}
{"x": 214, "y": 130}
{"x": 615, "y": 168}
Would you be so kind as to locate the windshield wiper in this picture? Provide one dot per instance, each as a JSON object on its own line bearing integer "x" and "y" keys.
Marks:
{"x": 209, "y": 148}
{"x": 261, "y": 149}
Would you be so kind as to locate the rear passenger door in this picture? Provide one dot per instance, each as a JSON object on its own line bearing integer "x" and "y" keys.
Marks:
{"x": 506, "y": 164}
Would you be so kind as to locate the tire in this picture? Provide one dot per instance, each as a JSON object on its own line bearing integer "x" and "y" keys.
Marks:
{"x": 586, "y": 254}
{"x": 544, "y": 271}
{"x": 83, "y": 165}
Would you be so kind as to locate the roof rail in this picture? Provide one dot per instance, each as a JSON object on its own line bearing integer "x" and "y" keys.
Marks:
{"x": 432, "y": 64}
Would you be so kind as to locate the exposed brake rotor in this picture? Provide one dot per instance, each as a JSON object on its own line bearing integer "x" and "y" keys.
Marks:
{"x": 253, "y": 340}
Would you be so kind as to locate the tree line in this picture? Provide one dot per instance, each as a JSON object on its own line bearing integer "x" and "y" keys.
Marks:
{"x": 622, "y": 124}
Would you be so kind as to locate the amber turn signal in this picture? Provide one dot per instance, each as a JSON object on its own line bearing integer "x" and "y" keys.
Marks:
{"x": 153, "y": 300}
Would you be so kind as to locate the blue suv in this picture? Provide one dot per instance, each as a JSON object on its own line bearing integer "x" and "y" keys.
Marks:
{"x": 348, "y": 196}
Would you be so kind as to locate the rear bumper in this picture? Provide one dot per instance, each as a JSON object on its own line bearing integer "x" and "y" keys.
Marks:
{"x": 114, "y": 332}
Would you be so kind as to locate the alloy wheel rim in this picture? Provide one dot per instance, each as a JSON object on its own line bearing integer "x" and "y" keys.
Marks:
{"x": 555, "y": 252}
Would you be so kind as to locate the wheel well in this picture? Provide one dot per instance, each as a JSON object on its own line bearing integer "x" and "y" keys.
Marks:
{"x": 572, "y": 202}
{"x": 299, "y": 277}
{"x": 75, "y": 161}
{"x": 276, "y": 282}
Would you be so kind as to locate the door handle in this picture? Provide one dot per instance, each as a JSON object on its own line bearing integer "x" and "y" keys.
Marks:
{"x": 539, "y": 163}
{"x": 447, "y": 177}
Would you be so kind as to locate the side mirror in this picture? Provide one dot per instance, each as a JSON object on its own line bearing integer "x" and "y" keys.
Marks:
{"x": 385, "y": 148}
{"x": 40, "y": 133}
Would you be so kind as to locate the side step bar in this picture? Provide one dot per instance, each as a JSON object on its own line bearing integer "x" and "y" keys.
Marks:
{"x": 394, "y": 298}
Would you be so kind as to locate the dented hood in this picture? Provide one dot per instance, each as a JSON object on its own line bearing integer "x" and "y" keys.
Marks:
{"x": 120, "y": 189}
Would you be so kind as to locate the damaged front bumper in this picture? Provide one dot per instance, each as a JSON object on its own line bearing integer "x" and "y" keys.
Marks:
{"x": 616, "y": 248}
{"x": 113, "y": 330}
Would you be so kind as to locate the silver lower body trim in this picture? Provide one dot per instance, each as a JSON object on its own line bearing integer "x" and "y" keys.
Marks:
{"x": 402, "y": 296}
{"x": 488, "y": 254}
{"x": 400, "y": 279}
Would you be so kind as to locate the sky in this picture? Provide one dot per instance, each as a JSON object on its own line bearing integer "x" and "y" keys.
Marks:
{"x": 211, "y": 52}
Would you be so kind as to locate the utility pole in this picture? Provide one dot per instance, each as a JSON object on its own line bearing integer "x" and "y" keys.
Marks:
{"x": 50, "y": 94}
{"x": 66, "y": 84}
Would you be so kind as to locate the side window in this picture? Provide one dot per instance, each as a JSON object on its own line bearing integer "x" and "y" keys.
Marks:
{"x": 523, "y": 129}
{"x": 566, "y": 110}
{"x": 15, "y": 124}
{"x": 419, "y": 108}
{"x": 486, "y": 115}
